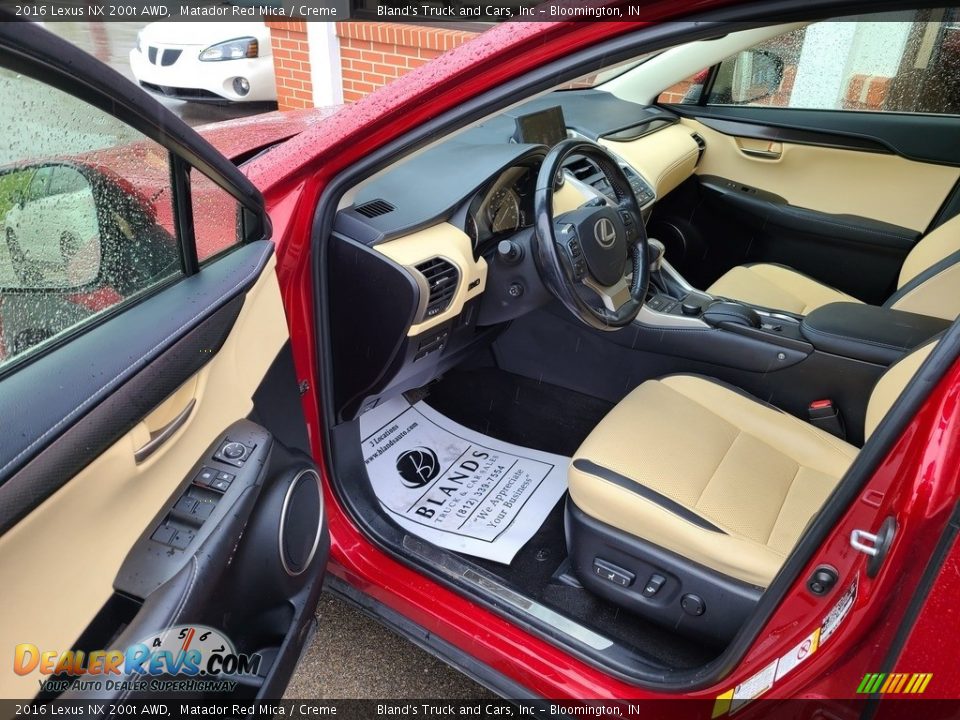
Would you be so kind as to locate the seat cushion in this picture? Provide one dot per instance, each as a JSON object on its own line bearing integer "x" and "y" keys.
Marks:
{"x": 776, "y": 287}
{"x": 708, "y": 472}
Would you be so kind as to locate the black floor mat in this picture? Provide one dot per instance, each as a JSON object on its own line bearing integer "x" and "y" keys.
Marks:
{"x": 517, "y": 409}
{"x": 546, "y": 417}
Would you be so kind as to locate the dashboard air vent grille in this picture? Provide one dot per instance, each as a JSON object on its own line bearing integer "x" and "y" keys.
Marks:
{"x": 442, "y": 278}
{"x": 375, "y": 208}
{"x": 701, "y": 145}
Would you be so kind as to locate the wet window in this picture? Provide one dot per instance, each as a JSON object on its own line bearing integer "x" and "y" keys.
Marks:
{"x": 891, "y": 62}
{"x": 216, "y": 218}
{"x": 86, "y": 216}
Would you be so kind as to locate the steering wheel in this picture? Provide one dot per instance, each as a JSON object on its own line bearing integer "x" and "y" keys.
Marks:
{"x": 593, "y": 259}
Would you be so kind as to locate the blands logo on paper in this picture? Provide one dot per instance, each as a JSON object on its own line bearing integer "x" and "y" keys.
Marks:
{"x": 417, "y": 467}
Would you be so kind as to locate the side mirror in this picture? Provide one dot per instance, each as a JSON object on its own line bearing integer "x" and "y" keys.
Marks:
{"x": 51, "y": 229}
{"x": 756, "y": 74}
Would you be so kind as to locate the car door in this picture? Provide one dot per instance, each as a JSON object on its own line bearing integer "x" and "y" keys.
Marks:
{"x": 830, "y": 148}
{"x": 160, "y": 515}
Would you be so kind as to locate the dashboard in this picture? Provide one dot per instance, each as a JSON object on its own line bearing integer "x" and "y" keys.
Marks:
{"x": 417, "y": 280}
{"x": 502, "y": 209}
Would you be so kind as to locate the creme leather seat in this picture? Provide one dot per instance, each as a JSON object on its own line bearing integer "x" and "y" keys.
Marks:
{"x": 706, "y": 488}
{"x": 927, "y": 283}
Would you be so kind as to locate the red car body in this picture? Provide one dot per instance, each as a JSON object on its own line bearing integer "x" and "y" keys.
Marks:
{"x": 918, "y": 483}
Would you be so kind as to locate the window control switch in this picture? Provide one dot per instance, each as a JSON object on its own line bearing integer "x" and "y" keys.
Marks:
{"x": 163, "y": 534}
{"x": 613, "y": 573}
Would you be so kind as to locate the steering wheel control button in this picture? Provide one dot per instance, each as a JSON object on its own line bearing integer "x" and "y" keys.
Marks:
{"x": 653, "y": 585}
{"x": 613, "y": 573}
{"x": 233, "y": 453}
{"x": 693, "y": 605}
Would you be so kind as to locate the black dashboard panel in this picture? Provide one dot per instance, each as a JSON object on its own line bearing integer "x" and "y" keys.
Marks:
{"x": 429, "y": 187}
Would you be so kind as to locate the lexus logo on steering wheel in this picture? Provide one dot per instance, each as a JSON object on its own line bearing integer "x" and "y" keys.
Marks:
{"x": 605, "y": 232}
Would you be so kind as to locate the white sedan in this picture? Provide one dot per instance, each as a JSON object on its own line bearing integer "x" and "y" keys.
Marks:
{"x": 206, "y": 62}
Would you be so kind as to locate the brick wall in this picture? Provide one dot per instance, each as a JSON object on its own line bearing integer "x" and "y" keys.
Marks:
{"x": 291, "y": 64}
{"x": 373, "y": 53}
{"x": 866, "y": 92}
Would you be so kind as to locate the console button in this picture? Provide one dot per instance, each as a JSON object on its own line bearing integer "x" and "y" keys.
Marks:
{"x": 225, "y": 476}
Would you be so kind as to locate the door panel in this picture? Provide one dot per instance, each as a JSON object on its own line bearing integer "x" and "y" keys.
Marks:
{"x": 106, "y": 506}
{"x": 879, "y": 186}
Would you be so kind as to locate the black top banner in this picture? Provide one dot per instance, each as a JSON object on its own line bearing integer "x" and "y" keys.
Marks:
{"x": 410, "y": 11}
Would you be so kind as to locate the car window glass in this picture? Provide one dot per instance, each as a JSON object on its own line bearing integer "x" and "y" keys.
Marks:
{"x": 86, "y": 216}
{"x": 216, "y": 218}
{"x": 891, "y": 62}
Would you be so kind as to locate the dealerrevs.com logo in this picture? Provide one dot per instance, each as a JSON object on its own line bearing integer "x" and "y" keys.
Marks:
{"x": 417, "y": 467}
{"x": 188, "y": 657}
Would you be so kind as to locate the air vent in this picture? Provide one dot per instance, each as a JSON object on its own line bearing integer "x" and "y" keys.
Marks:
{"x": 701, "y": 143}
{"x": 375, "y": 208}
{"x": 587, "y": 172}
{"x": 442, "y": 278}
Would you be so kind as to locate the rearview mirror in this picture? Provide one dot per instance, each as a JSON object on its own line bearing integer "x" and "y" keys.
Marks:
{"x": 50, "y": 237}
{"x": 756, "y": 74}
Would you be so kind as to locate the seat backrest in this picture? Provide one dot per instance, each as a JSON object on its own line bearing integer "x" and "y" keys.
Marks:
{"x": 931, "y": 274}
{"x": 891, "y": 384}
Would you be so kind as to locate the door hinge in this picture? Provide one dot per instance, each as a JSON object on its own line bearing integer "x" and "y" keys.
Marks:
{"x": 303, "y": 386}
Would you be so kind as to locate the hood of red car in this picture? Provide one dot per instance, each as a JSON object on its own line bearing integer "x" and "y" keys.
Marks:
{"x": 240, "y": 138}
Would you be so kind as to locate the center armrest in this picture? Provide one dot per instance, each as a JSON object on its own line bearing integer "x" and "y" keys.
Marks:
{"x": 868, "y": 332}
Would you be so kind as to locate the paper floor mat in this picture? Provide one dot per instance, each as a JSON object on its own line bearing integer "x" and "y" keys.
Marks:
{"x": 457, "y": 488}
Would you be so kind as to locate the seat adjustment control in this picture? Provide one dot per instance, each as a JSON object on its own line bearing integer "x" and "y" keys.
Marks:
{"x": 613, "y": 573}
{"x": 693, "y": 604}
{"x": 654, "y": 583}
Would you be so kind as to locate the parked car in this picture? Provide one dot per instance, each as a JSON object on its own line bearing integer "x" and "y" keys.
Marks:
{"x": 216, "y": 62}
{"x": 438, "y": 363}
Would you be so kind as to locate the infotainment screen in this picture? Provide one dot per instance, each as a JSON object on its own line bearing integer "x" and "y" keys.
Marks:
{"x": 544, "y": 127}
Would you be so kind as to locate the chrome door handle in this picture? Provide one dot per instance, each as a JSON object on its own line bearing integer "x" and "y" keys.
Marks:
{"x": 160, "y": 436}
{"x": 765, "y": 154}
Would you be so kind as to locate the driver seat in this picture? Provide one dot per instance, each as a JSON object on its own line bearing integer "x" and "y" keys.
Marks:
{"x": 688, "y": 496}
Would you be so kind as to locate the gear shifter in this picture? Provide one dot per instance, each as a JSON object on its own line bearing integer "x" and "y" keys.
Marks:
{"x": 657, "y": 252}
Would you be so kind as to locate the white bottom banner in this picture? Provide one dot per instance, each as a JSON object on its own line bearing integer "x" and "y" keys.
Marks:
{"x": 457, "y": 488}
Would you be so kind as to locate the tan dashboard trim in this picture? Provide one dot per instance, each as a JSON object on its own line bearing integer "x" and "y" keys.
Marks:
{"x": 664, "y": 158}
{"x": 447, "y": 242}
{"x": 882, "y": 187}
